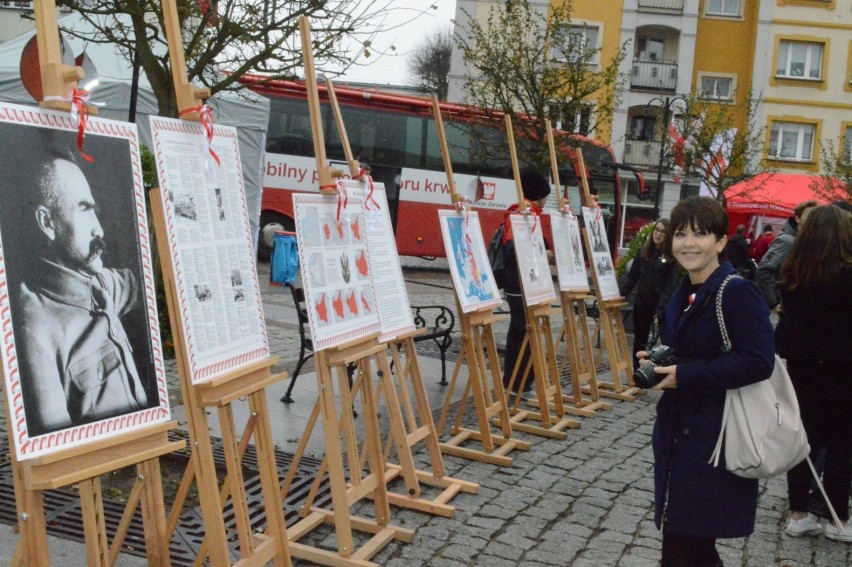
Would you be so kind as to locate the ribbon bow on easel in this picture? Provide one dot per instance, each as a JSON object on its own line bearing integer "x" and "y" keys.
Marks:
{"x": 205, "y": 116}
{"x": 80, "y": 103}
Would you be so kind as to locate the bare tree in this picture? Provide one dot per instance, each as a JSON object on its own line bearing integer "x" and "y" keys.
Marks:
{"x": 533, "y": 65}
{"x": 237, "y": 37}
{"x": 834, "y": 183}
{"x": 709, "y": 147}
{"x": 429, "y": 63}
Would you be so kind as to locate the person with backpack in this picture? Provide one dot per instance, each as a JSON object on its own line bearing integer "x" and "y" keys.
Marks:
{"x": 695, "y": 501}
{"x": 815, "y": 337}
{"x": 769, "y": 268}
{"x": 536, "y": 188}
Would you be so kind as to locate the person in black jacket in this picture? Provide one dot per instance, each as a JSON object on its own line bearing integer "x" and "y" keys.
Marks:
{"x": 650, "y": 272}
{"x": 736, "y": 252}
{"x": 815, "y": 337}
{"x": 536, "y": 188}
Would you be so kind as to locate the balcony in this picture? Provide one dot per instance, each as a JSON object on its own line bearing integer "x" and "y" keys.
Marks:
{"x": 661, "y": 5}
{"x": 644, "y": 153}
{"x": 654, "y": 75}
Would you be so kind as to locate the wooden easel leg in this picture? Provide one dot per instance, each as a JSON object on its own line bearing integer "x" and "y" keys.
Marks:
{"x": 94, "y": 525}
{"x": 235, "y": 478}
{"x": 268, "y": 469}
{"x": 154, "y": 514}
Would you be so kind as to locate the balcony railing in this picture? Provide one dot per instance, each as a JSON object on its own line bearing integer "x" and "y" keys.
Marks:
{"x": 642, "y": 152}
{"x": 667, "y": 5}
{"x": 656, "y": 75}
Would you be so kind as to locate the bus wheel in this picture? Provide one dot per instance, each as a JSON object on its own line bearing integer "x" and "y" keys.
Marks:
{"x": 270, "y": 223}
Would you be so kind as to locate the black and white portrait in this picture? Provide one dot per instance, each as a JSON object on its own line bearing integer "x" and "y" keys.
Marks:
{"x": 74, "y": 268}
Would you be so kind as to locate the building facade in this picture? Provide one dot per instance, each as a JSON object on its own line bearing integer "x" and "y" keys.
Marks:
{"x": 794, "y": 56}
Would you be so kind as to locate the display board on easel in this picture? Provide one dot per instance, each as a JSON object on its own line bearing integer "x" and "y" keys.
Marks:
{"x": 537, "y": 293}
{"x": 212, "y": 292}
{"x": 574, "y": 293}
{"x": 609, "y": 300}
{"x": 476, "y": 294}
{"x": 82, "y": 364}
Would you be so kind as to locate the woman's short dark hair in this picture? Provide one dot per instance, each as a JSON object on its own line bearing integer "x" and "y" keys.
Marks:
{"x": 700, "y": 213}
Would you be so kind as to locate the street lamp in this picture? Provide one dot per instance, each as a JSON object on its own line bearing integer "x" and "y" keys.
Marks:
{"x": 667, "y": 104}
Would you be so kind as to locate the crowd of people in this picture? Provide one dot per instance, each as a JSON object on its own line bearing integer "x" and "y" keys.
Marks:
{"x": 805, "y": 276}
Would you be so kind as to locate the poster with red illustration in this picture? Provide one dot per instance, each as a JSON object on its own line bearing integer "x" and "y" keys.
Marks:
{"x": 335, "y": 266}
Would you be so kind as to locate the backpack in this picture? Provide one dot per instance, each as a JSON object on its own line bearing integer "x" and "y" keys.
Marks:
{"x": 495, "y": 257}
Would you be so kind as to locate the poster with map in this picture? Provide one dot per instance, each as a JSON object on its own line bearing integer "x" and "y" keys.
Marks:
{"x": 599, "y": 256}
{"x": 568, "y": 247}
{"x": 468, "y": 260}
{"x": 533, "y": 267}
{"x": 335, "y": 266}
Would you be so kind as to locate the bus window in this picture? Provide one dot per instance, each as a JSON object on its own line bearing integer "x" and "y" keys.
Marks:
{"x": 289, "y": 128}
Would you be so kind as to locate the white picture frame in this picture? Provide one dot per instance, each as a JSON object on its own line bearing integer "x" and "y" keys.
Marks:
{"x": 471, "y": 273}
{"x": 568, "y": 248}
{"x": 600, "y": 260}
{"x": 531, "y": 254}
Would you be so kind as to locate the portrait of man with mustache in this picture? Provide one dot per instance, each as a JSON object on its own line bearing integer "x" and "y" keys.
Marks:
{"x": 76, "y": 320}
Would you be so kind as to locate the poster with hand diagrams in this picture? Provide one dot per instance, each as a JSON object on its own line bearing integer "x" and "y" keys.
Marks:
{"x": 468, "y": 260}
{"x": 335, "y": 266}
{"x": 82, "y": 358}
{"x": 211, "y": 247}
{"x": 568, "y": 247}
{"x": 599, "y": 256}
{"x": 391, "y": 294}
{"x": 533, "y": 267}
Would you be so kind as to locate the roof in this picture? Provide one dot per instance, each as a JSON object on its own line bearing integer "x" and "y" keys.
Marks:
{"x": 770, "y": 194}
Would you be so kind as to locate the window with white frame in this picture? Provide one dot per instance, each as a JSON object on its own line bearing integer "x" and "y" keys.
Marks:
{"x": 573, "y": 41}
{"x": 723, "y": 7}
{"x": 572, "y": 118}
{"x": 791, "y": 141}
{"x": 848, "y": 140}
{"x": 799, "y": 60}
{"x": 719, "y": 88}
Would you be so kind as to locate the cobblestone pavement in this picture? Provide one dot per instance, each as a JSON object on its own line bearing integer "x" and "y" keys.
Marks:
{"x": 584, "y": 501}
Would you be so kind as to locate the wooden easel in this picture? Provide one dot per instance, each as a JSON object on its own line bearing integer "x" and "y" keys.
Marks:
{"x": 406, "y": 433}
{"x": 610, "y": 321}
{"x": 477, "y": 338}
{"x": 220, "y": 392}
{"x": 83, "y": 465}
{"x": 575, "y": 325}
{"x": 539, "y": 342}
{"x": 343, "y": 495}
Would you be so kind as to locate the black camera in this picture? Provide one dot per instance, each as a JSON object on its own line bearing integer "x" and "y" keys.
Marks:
{"x": 644, "y": 376}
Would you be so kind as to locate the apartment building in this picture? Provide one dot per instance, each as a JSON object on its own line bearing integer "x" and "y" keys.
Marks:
{"x": 805, "y": 75}
{"x": 796, "y": 55}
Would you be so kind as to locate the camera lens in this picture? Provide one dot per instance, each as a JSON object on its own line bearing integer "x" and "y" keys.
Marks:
{"x": 645, "y": 377}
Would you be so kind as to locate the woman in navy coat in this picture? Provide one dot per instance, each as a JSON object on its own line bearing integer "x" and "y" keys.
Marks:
{"x": 696, "y": 503}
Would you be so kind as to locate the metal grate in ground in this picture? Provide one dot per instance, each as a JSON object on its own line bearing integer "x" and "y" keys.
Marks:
{"x": 64, "y": 518}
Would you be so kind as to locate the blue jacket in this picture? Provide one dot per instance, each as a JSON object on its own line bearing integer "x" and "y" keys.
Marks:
{"x": 706, "y": 501}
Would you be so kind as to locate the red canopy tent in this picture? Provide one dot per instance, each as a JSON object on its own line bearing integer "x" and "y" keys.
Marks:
{"x": 767, "y": 195}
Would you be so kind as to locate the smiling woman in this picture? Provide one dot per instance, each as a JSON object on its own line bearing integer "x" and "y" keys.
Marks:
{"x": 696, "y": 502}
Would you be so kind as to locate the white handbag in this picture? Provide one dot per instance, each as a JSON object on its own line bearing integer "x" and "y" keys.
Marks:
{"x": 761, "y": 426}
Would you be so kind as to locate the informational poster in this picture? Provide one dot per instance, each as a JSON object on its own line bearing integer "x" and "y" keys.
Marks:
{"x": 600, "y": 259}
{"x": 533, "y": 267}
{"x": 335, "y": 266}
{"x": 209, "y": 238}
{"x": 389, "y": 286}
{"x": 468, "y": 260}
{"x": 568, "y": 247}
{"x": 81, "y": 352}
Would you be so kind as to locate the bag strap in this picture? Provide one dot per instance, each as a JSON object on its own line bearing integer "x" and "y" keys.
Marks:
{"x": 726, "y": 340}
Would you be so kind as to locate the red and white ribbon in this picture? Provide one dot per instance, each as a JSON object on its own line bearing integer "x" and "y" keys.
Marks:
{"x": 370, "y": 188}
{"x": 79, "y": 99}
{"x": 205, "y": 116}
{"x": 566, "y": 208}
{"x": 467, "y": 243}
{"x": 342, "y": 197}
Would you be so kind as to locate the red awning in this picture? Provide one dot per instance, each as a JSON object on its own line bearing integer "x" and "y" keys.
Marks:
{"x": 770, "y": 194}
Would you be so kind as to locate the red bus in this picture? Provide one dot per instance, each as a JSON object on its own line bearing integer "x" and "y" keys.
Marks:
{"x": 397, "y": 137}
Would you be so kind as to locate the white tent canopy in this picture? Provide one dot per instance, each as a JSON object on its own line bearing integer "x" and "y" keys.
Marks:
{"x": 246, "y": 111}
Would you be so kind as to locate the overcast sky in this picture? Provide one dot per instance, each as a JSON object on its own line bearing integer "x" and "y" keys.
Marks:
{"x": 393, "y": 68}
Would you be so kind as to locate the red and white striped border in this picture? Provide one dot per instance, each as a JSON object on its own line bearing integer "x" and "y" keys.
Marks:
{"x": 199, "y": 372}
{"x": 32, "y": 446}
